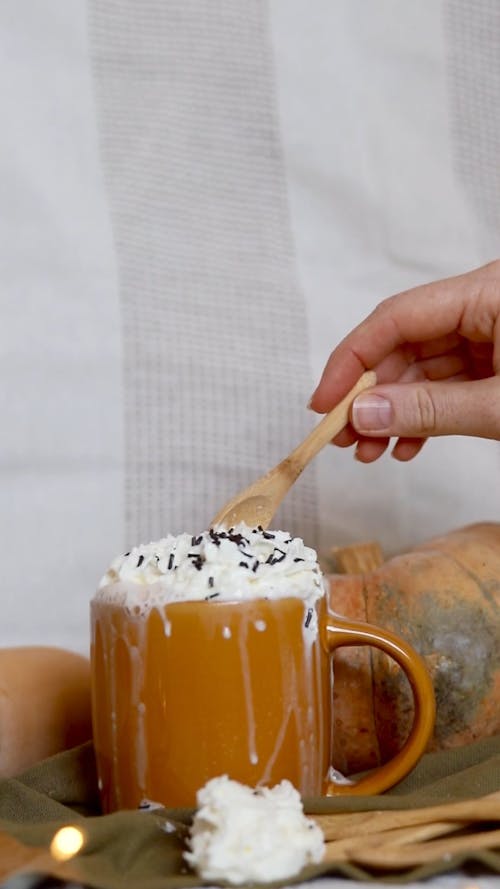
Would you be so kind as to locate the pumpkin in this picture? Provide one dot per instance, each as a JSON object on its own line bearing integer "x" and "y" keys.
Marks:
{"x": 44, "y": 704}
{"x": 443, "y": 597}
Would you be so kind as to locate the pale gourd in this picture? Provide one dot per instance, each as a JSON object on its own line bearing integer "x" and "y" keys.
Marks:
{"x": 44, "y": 704}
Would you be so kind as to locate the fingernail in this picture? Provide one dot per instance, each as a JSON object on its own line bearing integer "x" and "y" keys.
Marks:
{"x": 371, "y": 413}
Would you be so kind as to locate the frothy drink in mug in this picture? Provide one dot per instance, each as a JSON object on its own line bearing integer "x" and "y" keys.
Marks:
{"x": 211, "y": 655}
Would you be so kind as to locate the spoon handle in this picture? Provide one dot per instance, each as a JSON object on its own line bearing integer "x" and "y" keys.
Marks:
{"x": 331, "y": 424}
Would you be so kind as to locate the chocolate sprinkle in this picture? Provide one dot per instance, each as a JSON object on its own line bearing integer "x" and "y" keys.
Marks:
{"x": 272, "y": 559}
{"x": 238, "y": 539}
{"x": 298, "y": 560}
{"x": 140, "y": 560}
{"x": 255, "y": 565}
{"x": 170, "y": 561}
{"x": 243, "y": 565}
{"x": 197, "y": 560}
{"x": 211, "y": 596}
{"x": 210, "y": 581}
{"x": 309, "y": 617}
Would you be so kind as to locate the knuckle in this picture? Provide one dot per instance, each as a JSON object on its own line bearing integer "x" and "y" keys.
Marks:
{"x": 425, "y": 410}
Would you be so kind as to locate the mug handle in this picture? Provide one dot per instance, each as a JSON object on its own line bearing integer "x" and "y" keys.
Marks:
{"x": 339, "y": 631}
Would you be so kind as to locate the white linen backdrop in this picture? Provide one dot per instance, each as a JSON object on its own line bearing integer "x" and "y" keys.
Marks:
{"x": 338, "y": 151}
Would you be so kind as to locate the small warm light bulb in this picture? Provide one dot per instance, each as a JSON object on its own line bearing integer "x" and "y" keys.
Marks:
{"x": 66, "y": 843}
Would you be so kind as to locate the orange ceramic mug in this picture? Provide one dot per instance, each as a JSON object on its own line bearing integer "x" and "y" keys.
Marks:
{"x": 186, "y": 691}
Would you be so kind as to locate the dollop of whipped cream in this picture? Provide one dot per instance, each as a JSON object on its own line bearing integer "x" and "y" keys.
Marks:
{"x": 242, "y": 835}
{"x": 221, "y": 565}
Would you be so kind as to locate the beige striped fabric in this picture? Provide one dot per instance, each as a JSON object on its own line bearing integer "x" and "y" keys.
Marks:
{"x": 473, "y": 36}
{"x": 216, "y": 373}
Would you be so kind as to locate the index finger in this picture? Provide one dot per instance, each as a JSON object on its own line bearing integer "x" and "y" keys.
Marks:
{"x": 417, "y": 315}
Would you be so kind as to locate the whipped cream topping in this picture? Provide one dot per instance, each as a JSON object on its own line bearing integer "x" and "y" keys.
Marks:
{"x": 243, "y": 835}
{"x": 221, "y": 565}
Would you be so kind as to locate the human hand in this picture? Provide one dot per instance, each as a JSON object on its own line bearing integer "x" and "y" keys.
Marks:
{"x": 436, "y": 353}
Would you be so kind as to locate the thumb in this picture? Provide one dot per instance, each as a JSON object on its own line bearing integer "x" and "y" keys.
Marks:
{"x": 420, "y": 410}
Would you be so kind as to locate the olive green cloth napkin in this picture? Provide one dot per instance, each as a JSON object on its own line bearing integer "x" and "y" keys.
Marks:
{"x": 143, "y": 850}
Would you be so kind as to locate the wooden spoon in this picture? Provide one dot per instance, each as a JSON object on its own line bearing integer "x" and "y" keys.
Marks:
{"x": 257, "y": 504}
